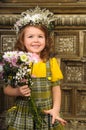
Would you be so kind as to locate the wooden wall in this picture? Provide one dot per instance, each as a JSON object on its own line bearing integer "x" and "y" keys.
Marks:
{"x": 70, "y": 44}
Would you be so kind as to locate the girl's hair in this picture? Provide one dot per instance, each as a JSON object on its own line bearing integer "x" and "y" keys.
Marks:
{"x": 47, "y": 52}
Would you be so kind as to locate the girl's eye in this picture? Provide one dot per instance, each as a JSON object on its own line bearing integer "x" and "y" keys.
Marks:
{"x": 30, "y": 36}
{"x": 41, "y": 36}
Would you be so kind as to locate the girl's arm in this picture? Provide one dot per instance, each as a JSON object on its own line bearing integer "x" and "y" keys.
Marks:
{"x": 55, "y": 111}
{"x": 56, "y": 92}
{"x": 19, "y": 91}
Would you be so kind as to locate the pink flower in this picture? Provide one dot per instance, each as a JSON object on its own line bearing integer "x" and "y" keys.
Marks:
{"x": 33, "y": 57}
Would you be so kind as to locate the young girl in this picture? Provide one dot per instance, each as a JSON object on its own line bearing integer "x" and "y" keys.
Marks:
{"x": 34, "y": 37}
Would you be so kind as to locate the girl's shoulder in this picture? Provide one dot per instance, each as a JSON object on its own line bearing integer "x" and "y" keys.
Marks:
{"x": 54, "y": 61}
{"x": 55, "y": 69}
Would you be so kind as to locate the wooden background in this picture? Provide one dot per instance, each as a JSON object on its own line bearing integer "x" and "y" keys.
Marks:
{"x": 70, "y": 44}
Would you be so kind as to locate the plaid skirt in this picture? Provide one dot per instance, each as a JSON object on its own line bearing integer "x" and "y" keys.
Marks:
{"x": 19, "y": 116}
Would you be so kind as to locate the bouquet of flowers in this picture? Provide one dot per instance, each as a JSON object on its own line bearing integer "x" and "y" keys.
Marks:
{"x": 15, "y": 69}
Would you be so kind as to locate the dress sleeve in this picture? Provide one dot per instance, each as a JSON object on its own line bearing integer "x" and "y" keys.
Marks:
{"x": 55, "y": 70}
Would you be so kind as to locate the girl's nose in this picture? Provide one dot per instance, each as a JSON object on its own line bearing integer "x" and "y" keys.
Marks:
{"x": 36, "y": 39}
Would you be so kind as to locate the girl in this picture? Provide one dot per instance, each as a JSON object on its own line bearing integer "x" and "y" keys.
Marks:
{"x": 46, "y": 76}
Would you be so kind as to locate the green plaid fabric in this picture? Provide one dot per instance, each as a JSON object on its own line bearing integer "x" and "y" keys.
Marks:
{"x": 21, "y": 119}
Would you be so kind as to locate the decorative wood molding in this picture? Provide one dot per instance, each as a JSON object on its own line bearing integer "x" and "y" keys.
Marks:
{"x": 57, "y": 6}
{"x": 70, "y": 44}
{"x": 26, "y": 1}
{"x": 62, "y": 20}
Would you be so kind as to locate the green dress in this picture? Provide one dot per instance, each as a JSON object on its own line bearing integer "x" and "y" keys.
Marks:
{"x": 19, "y": 117}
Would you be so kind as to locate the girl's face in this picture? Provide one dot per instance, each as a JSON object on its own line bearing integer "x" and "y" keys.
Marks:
{"x": 34, "y": 40}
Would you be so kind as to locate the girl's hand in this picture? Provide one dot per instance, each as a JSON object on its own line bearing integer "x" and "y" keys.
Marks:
{"x": 24, "y": 91}
{"x": 55, "y": 116}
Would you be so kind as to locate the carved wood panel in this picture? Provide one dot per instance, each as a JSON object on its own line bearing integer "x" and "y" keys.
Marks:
{"x": 67, "y": 43}
{"x": 7, "y": 40}
{"x": 70, "y": 46}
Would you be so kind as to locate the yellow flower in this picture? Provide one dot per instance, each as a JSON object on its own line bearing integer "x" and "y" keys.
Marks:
{"x": 30, "y": 64}
{"x": 49, "y": 78}
{"x": 10, "y": 77}
{"x": 23, "y": 58}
